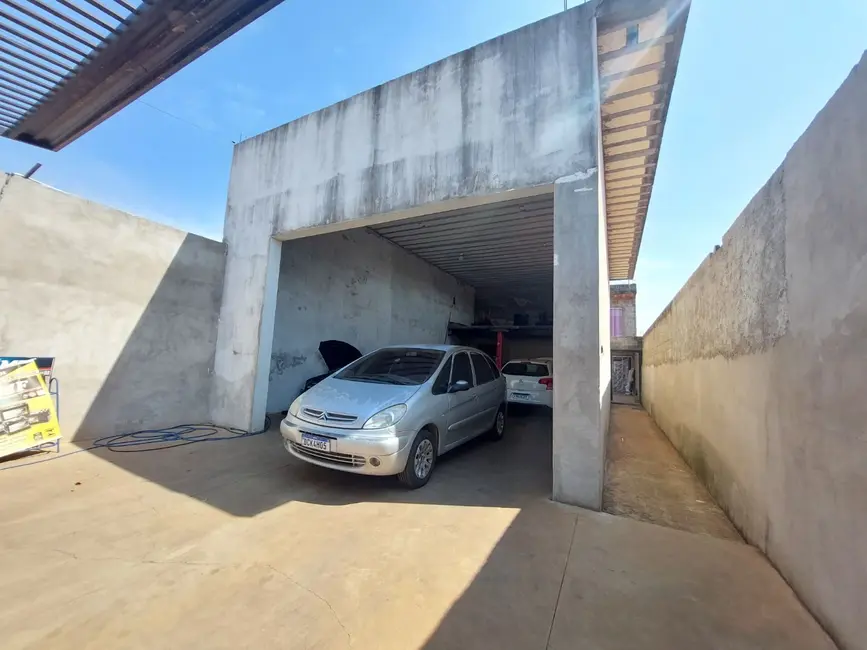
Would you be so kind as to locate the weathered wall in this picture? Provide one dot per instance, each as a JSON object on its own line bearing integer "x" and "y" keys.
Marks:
{"x": 128, "y": 307}
{"x": 511, "y": 112}
{"x": 359, "y": 288}
{"x": 517, "y": 112}
{"x": 623, "y": 298}
{"x": 756, "y": 370}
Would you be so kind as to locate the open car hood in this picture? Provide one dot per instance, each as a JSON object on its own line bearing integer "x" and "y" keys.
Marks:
{"x": 337, "y": 354}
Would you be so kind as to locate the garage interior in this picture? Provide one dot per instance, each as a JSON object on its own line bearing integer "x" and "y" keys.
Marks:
{"x": 457, "y": 277}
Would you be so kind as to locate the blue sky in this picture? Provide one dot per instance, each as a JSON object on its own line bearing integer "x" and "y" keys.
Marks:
{"x": 752, "y": 76}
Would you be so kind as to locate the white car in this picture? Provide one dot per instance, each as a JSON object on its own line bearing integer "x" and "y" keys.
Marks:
{"x": 530, "y": 381}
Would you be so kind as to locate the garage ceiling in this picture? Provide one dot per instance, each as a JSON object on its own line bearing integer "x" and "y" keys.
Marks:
{"x": 638, "y": 58}
{"x": 505, "y": 250}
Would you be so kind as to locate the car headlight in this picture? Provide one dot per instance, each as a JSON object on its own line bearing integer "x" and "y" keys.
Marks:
{"x": 386, "y": 417}
{"x": 294, "y": 406}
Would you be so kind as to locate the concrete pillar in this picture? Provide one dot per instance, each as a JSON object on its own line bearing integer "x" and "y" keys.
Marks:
{"x": 582, "y": 359}
{"x": 246, "y": 329}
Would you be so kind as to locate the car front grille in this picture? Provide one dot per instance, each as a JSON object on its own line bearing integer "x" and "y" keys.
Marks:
{"x": 348, "y": 460}
{"x": 315, "y": 415}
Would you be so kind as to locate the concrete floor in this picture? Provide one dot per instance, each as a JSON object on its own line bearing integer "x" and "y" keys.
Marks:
{"x": 236, "y": 545}
{"x": 646, "y": 479}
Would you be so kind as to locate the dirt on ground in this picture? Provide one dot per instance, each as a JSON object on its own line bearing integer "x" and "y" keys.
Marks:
{"x": 646, "y": 479}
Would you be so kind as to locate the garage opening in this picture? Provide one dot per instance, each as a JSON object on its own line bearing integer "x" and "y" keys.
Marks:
{"x": 479, "y": 276}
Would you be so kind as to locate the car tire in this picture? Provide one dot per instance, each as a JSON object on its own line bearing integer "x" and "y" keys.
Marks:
{"x": 498, "y": 430}
{"x": 421, "y": 461}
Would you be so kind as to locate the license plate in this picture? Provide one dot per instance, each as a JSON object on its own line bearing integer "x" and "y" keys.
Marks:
{"x": 521, "y": 396}
{"x": 315, "y": 442}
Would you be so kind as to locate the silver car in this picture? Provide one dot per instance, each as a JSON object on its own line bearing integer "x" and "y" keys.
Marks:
{"x": 396, "y": 410}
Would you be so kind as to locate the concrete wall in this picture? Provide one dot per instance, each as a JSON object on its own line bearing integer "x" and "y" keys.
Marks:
{"x": 517, "y": 112}
{"x": 514, "y": 348}
{"x": 359, "y": 288}
{"x": 756, "y": 370}
{"x": 508, "y": 113}
{"x": 128, "y": 307}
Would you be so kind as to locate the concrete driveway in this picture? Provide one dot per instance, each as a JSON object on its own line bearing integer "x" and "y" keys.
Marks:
{"x": 237, "y": 545}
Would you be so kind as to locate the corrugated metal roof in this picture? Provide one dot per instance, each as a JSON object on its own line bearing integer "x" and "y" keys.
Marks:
{"x": 503, "y": 249}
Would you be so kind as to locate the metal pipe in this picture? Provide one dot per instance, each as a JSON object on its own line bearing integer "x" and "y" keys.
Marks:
{"x": 36, "y": 30}
{"x": 54, "y": 26}
{"x": 40, "y": 44}
{"x": 23, "y": 48}
{"x": 82, "y": 12}
{"x": 4, "y": 96}
{"x": 29, "y": 84}
{"x": 51, "y": 82}
{"x": 126, "y": 6}
{"x": 22, "y": 91}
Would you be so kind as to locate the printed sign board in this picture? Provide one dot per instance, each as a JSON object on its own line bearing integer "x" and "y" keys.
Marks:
{"x": 27, "y": 417}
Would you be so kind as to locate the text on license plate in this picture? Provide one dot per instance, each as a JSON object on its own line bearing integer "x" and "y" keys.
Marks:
{"x": 315, "y": 442}
{"x": 523, "y": 396}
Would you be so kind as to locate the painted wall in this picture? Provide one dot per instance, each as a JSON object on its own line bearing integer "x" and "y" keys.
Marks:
{"x": 517, "y": 112}
{"x": 359, "y": 288}
{"x": 127, "y": 306}
{"x": 756, "y": 370}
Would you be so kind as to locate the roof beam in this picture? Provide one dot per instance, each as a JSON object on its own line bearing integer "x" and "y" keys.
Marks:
{"x": 635, "y": 49}
{"x": 630, "y": 111}
{"x": 635, "y": 91}
{"x": 155, "y": 41}
{"x": 641, "y": 69}
{"x": 53, "y": 25}
{"x": 629, "y": 127}
{"x": 632, "y": 154}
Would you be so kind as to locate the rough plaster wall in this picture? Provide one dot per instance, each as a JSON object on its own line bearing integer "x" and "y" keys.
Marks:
{"x": 756, "y": 371}
{"x": 517, "y": 112}
{"x": 356, "y": 287}
{"x": 509, "y": 113}
{"x": 128, "y": 307}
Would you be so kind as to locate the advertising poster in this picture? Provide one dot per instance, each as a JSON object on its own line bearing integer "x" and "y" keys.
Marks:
{"x": 27, "y": 417}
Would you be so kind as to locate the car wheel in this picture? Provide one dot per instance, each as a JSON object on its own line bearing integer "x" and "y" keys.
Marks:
{"x": 499, "y": 428}
{"x": 421, "y": 461}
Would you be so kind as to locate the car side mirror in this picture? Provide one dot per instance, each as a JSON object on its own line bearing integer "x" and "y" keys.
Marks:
{"x": 459, "y": 386}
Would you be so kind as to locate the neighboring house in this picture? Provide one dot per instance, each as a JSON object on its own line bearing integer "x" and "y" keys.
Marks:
{"x": 623, "y": 310}
{"x": 625, "y": 345}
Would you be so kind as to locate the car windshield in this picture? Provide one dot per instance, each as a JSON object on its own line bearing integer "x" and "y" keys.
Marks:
{"x": 525, "y": 369}
{"x": 402, "y": 366}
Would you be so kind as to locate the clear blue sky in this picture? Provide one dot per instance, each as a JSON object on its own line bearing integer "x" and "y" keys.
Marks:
{"x": 753, "y": 74}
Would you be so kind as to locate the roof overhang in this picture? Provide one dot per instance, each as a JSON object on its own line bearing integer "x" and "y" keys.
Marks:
{"x": 638, "y": 51}
{"x": 65, "y": 66}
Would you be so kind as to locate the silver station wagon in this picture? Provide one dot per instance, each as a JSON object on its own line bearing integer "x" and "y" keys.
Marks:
{"x": 396, "y": 410}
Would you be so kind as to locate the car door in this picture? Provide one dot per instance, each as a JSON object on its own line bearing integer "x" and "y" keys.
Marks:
{"x": 489, "y": 393}
{"x": 463, "y": 409}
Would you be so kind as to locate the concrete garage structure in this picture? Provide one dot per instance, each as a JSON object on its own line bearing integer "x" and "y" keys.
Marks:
{"x": 487, "y": 174}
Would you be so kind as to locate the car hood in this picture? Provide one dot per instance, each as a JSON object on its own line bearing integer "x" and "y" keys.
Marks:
{"x": 358, "y": 398}
{"x": 338, "y": 354}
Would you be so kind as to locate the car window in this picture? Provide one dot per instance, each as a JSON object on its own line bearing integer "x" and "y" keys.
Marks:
{"x": 441, "y": 383}
{"x": 403, "y": 366}
{"x": 461, "y": 369}
{"x": 483, "y": 370}
{"x": 493, "y": 365}
{"x": 525, "y": 369}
